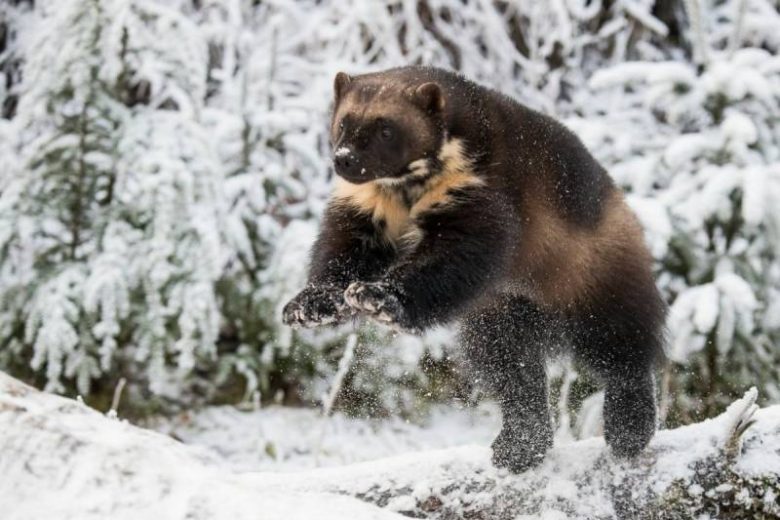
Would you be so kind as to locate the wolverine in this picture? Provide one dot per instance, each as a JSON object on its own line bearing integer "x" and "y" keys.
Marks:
{"x": 456, "y": 203}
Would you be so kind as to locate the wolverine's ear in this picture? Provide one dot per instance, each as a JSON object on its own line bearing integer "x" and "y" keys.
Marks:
{"x": 429, "y": 97}
{"x": 340, "y": 84}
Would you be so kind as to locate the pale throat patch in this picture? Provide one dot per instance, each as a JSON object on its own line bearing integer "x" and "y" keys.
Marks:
{"x": 394, "y": 208}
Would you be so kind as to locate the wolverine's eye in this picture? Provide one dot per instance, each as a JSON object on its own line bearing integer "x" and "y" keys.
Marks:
{"x": 386, "y": 132}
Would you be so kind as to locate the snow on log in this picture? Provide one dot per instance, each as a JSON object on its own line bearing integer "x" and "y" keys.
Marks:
{"x": 61, "y": 460}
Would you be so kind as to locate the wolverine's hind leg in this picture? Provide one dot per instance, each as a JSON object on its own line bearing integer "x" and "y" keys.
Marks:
{"x": 505, "y": 346}
{"x": 629, "y": 412}
{"x": 622, "y": 343}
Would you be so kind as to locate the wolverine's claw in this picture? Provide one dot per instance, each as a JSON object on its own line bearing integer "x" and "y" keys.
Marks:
{"x": 316, "y": 306}
{"x": 367, "y": 297}
{"x": 378, "y": 300}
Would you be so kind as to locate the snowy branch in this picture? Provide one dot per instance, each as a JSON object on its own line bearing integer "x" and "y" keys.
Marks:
{"x": 61, "y": 459}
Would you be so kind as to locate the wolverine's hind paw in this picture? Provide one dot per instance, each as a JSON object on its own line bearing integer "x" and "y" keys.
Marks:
{"x": 378, "y": 300}
{"x": 518, "y": 452}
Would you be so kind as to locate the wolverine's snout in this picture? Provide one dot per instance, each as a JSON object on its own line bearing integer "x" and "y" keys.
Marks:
{"x": 348, "y": 165}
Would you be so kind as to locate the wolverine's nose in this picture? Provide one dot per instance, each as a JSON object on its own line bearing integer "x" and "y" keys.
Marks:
{"x": 345, "y": 162}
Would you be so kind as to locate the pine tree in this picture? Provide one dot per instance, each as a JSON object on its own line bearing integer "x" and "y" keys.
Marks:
{"x": 111, "y": 247}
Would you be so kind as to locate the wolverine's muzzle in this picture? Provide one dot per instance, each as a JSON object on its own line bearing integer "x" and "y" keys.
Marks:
{"x": 348, "y": 166}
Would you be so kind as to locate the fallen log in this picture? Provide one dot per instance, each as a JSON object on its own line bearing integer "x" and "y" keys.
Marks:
{"x": 60, "y": 460}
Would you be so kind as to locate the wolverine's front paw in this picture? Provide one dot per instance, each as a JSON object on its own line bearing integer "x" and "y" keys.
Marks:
{"x": 378, "y": 300}
{"x": 316, "y": 306}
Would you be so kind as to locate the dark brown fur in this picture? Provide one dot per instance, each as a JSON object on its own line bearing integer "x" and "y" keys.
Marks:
{"x": 456, "y": 202}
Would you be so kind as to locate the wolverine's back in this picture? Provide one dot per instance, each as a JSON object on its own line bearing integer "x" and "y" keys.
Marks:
{"x": 577, "y": 238}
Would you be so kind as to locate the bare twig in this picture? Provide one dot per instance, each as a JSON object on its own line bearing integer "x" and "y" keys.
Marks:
{"x": 120, "y": 386}
{"x": 341, "y": 372}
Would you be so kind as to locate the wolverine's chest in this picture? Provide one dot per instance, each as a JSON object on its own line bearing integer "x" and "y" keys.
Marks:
{"x": 398, "y": 207}
{"x": 394, "y": 210}
{"x": 398, "y": 212}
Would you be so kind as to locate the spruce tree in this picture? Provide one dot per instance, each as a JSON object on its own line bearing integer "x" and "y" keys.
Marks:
{"x": 111, "y": 237}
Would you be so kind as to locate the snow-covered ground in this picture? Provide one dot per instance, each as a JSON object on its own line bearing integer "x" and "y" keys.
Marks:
{"x": 62, "y": 460}
{"x": 287, "y": 439}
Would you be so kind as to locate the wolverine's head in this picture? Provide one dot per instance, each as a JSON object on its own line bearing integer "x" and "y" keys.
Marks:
{"x": 383, "y": 126}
